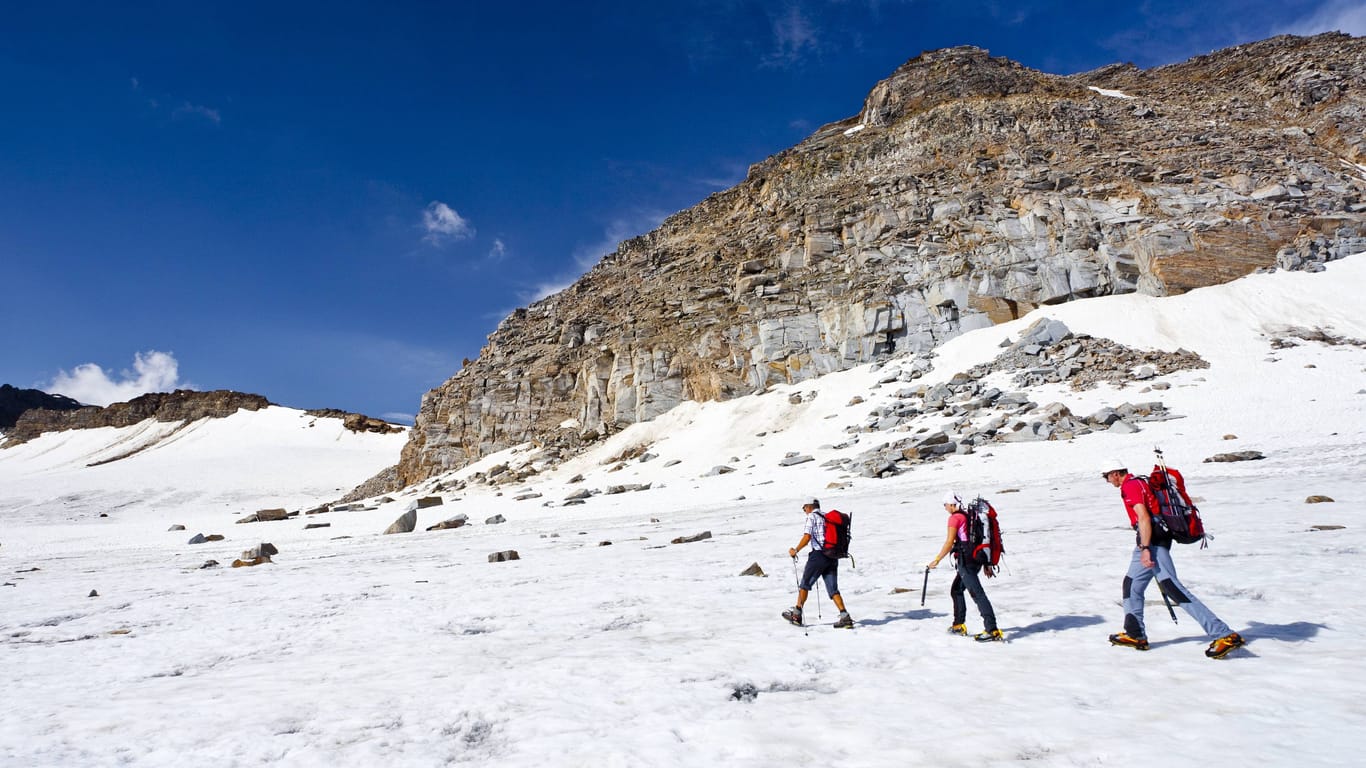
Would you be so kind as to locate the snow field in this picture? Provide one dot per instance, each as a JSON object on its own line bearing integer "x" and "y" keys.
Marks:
{"x": 415, "y": 650}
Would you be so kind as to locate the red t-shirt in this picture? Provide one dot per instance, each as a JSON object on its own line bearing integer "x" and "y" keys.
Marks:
{"x": 1135, "y": 491}
{"x": 961, "y": 524}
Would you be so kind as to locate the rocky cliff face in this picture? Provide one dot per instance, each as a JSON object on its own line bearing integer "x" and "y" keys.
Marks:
{"x": 968, "y": 191}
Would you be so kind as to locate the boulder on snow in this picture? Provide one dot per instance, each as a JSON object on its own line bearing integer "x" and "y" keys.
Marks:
{"x": 265, "y": 515}
{"x": 495, "y": 520}
{"x": 176, "y": 527}
{"x": 505, "y": 555}
{"x": 405, "y": 523}
{"x": 450, "y": 522}
{"x": 720, "y": 469}
{"x": 1235, "y": 456}
{"x": 1317, "y": 499}
{"x": 261, "y": 553}
{"x": 198, "y": 538}
{"x": 691, "y": 539}
{"x": 753, "y": 570}
{"x": 430, "y": 501}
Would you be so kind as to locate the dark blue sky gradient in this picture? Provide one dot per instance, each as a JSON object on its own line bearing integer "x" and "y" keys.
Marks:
{"x": 243, "y": 184}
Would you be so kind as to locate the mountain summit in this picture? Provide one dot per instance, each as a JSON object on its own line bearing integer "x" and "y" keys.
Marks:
{"x": 967, "y": 191}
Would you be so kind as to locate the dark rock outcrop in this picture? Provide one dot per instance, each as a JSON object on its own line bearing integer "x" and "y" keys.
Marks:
{"x": 14, "y": 402}
{"x": 356, "y": 422}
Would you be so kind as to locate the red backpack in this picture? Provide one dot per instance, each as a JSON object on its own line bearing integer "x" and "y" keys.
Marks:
{"x": 837, "y": 532}
{"x": 1176, "y": 514}
{"x": 984, "y": 535}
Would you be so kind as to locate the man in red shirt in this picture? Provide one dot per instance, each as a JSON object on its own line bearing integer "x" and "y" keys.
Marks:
{"x": 1153, "y": 558}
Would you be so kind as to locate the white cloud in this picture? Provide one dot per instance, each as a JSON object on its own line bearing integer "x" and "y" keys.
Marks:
{"x": 498, "y": 251}
{"x": 195, "y": 110}
{"x": 794, "y": 36}
{"x": 394, "y": 417}
{"x": 89, "y": 383}
{"x": 1332, "y": 16}
{"x": 443, "y": 224}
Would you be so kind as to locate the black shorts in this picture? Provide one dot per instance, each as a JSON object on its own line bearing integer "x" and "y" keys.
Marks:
{"x": 820, "y": 566}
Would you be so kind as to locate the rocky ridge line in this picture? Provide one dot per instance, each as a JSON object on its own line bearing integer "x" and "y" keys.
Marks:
{"x": 181, "y": 405}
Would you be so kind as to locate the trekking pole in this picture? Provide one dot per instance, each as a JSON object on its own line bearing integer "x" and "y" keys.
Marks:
{"x": 924, "y": 586}
{"x": 1168, "y": 601}
{"x": 817, "y": 587}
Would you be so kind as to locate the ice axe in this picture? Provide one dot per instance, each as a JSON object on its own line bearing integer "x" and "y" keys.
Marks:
{"x": 924, "y": 586}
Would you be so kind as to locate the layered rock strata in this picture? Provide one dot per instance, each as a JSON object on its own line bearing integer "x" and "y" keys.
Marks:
{"x": 968, "y": 191}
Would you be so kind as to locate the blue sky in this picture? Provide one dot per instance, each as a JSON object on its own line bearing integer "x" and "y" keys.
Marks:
{"x": 332, "y": 204}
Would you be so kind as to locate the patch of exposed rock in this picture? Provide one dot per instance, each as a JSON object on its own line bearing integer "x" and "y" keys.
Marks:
{"x": 357, "y": 422}
{"x": 1082, "y": 360}
{"x": 980, "y": 414}
{"x": 180, "y": 405}
{"x": 967, "y": 191}
{"x": 14, "y": 402}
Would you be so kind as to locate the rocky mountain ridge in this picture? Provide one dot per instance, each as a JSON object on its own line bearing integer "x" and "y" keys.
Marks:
{"x": 181, "y": 405}
{"x": 967, "y": 191}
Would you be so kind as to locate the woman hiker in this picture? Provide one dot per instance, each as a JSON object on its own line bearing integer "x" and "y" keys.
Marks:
{"x": 968, "y": 577}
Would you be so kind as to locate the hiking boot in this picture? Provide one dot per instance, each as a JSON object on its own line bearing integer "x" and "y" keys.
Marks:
{"x": 844, "y": 621}
{"x": 1137, "y": 643}
{"x": 1221, "y": 647}
{"x": 994, "y": 636}
{"x": 793, "y": 615}
{"x": 959, "y": 629}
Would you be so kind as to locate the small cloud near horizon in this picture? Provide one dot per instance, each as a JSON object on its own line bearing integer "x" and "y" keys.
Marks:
{"x": 90, "y": 384}
{"x": 443, "y": 224}
{"x": 394, "y": 417}
{"x": 196, "y": 110}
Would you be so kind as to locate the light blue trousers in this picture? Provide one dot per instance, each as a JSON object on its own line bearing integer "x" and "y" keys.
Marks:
{"x": 1136, "y": 582}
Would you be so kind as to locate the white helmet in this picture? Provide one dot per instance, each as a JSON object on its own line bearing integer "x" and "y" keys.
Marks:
{"x": 952, "y": 498}
{"x": 1113, "y": 465}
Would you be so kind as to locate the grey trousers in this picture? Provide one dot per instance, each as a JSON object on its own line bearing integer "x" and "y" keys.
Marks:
{"x": 1136, "y": 581}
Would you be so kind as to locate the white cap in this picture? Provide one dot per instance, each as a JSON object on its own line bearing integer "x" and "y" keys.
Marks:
{"x": 812, "y": 503}
{"x": 952, "y": 498}
{"x": 1113, "y": 465}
